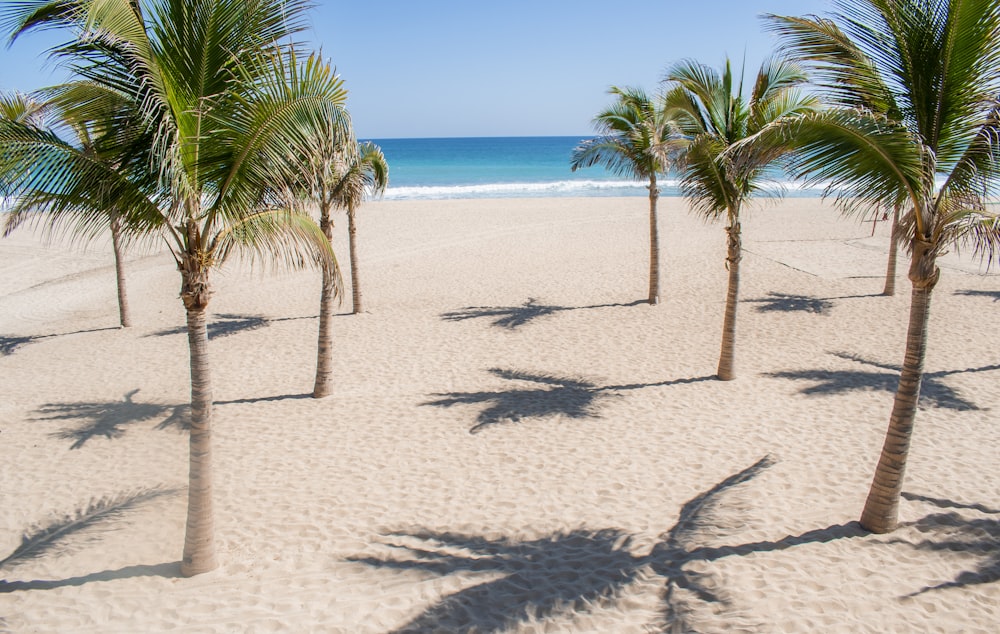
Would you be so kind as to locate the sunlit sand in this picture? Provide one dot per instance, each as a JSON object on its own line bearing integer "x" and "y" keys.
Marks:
{"x": 516, "y": 442}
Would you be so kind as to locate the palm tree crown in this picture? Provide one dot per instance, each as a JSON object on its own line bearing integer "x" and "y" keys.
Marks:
{"x": 635, "y": 139}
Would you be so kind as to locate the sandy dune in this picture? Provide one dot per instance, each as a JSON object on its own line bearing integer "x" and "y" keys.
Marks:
{"x": 516, "y": 442}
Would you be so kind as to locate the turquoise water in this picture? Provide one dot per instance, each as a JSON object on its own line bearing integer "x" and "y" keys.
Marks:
{"x": 503, "y": 167}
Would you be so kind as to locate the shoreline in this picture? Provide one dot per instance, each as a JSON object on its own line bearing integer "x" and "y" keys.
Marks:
{"x": 515, "y": 441}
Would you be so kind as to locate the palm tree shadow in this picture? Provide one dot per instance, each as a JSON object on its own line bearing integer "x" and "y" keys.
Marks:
{"x": 523, "y": 581}
{"x": 933, "y": 391}
{"x": 551, "y": 396}
{"x": 951, "y": 532}
{"x": 785, "y": 303}
{"x": 224, "y": 325}
{"x": 266, "y": 399}
{"x": 166, "y": 570}
{"x": 75, "y": 529}
{"x": 9, "y": 345}
{"x": 109, "y": 419}
{"x": 513, "y": 317}
{"x": 974, "y": 293}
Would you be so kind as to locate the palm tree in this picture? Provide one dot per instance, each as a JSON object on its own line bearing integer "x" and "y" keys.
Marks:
{"x": 228, "y": 106}
{"x": 368, "y": 174}
{"x": 337, "y": 172}
{"x": 634, "y": 141}
{"x": 936, "y": 65}
{"x": 890, "y": 268}
{"x": 98, "y": 142}
{"x": 727, "y": 154}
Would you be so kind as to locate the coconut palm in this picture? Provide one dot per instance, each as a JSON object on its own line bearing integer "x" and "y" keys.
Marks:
{"x": 890, "y": 268}
{"x": 229, "y": 106}
{"x": 368, "y": 174}
{"x": 337, "y": 173}
{"x": 727, "y": 156}
{"x": 634, "y": 140}
{"x": 34, "y": 132}
{"x": 936, "y": 63}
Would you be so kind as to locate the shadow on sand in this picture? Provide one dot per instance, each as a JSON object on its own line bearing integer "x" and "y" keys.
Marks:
{"x": 972, "y": 293}
{"x": 787, "y": 303}
{"x": 76, "y": 530}
{"x": 933, "y": 392}
{"x": 9, "y": 345}
{"x": 562, "y": 573}
{"x": 550, "y": 396}
{"x": 951, "y": 532}
{"x": 109, "y": 419}
{"x": 513, "y": 317}
{"x": 226, "y": 324}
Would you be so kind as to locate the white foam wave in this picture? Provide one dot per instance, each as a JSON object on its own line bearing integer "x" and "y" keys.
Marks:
{"x": 514, "y": 190}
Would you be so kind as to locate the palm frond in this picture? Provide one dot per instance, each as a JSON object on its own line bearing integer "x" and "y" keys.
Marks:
{"x": 22, "y": 108}
{"x": 61, "y": 185}
{"x": 838, "y": 66}
{"x": 972, "y": 230}
{"x": 17, "y": 18}
{"x": 864, "y": 159}
{"x": 284, "y": 237}
{"x": 57, "y": 535}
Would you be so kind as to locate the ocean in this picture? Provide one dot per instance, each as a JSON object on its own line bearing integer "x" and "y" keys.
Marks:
{"x": 507, "y": 167}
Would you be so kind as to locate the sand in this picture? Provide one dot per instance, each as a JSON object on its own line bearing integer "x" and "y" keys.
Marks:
{"x": 515, "y": 443}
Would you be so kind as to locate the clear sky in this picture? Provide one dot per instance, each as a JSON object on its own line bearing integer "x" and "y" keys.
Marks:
{"x": 447, "y": 68}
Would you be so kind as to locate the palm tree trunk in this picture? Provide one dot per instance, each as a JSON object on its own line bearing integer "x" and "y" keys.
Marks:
{"x": 352, "y": 236}
{"x": 728, "y": 353}
{"x": 123, "y": 312}
{"x": 890, "y": 271}
{"x": 654, "y": 244}
{"x": 881, "y": 510}
{"x": 324, "y": 349}
{"x": 199, "y": 536}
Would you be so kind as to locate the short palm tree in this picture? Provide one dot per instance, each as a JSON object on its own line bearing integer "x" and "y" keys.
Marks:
{"x": 727, "y": 157}
{"x": 634, "y": 140}
{"x": 228, "y": 107}
{"x": 934, "y": 66}
{"x": 366, "y": 175}
{"x": 36, "y": 135}
{"x": 890, "y": 268}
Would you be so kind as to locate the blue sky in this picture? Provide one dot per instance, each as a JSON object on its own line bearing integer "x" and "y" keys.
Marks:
{"x": 447, "y": 68}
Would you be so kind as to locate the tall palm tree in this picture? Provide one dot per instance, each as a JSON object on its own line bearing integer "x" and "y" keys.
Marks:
{"x": 727, "y": 156}
{"x": 634, "y": 140}
{"x": 34, "y": 131}
{"x": 937, "y": 64}
{"x": 229, "y": 107}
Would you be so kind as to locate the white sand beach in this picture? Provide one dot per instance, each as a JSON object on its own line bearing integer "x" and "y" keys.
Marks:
{"x": 516, "y": 442}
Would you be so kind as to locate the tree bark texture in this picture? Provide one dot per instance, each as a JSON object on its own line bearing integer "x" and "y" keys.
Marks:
{"x": 881, "y": 511}
{"x": 890, "y": 270}
{"x": 352, "y": 236}
{"x": 199, "y": 536}
{"x": 324, "y": 349}
{"x": 124, "y": 314}
{"x": 654, "y": 244}
{"x": 727, "y": 356}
